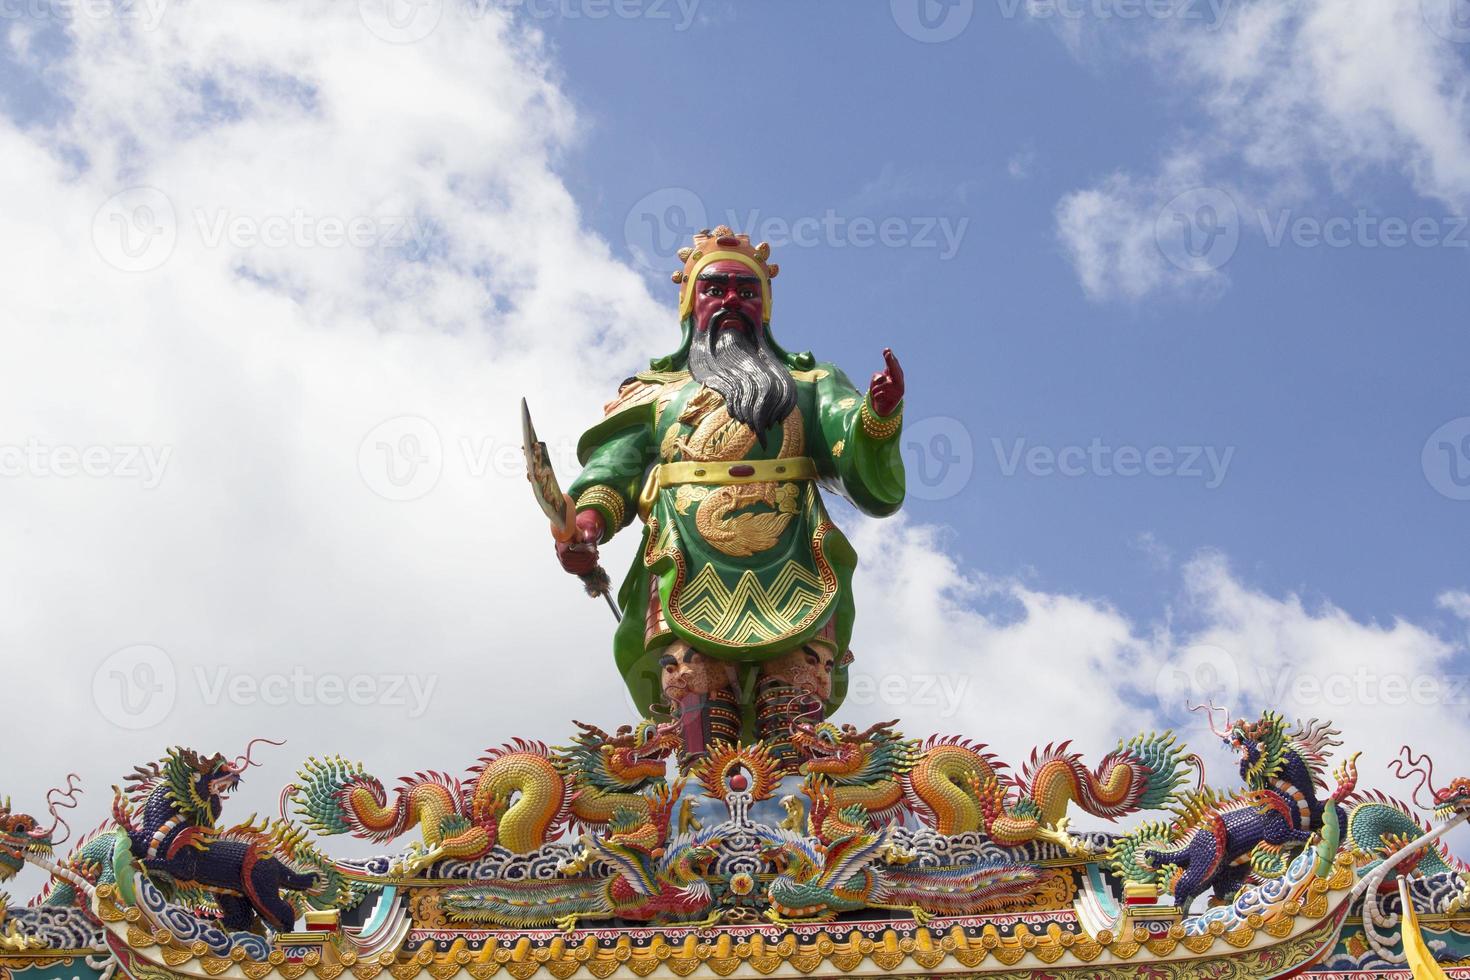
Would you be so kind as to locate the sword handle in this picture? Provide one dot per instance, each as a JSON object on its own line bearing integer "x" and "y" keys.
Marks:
{"x": 568, "y": 529}
{"x": 597, "y": 584}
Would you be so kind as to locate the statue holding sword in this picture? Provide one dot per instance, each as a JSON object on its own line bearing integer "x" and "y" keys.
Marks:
{"x": 738, "y": 609}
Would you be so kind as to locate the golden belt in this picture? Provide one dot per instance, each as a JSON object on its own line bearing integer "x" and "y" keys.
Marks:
{"x": 723, "y": 474}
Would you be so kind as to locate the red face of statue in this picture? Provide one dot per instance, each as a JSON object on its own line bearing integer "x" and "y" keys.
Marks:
{"x": 728, "y": 292}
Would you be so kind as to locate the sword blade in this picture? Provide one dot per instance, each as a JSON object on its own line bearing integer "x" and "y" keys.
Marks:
{"x": 544, "y": 484}
{"x": 555, "y": 505}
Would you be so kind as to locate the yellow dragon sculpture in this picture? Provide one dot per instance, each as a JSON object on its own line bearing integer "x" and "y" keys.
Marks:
{"x": 517, "y": 796}
{"x": 957, "y": 787}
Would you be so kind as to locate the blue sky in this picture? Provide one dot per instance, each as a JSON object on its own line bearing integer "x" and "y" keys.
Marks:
{"x": 1324, "y": 369}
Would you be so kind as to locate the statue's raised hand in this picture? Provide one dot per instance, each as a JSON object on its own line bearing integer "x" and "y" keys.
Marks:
{"x": 886, "y": 389}
{"x": 578, "y": 554}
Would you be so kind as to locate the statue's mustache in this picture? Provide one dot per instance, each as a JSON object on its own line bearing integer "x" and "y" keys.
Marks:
{"x": 723, "y": 317}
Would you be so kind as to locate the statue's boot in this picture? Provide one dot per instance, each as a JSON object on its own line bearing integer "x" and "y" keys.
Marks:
{"x": 703, "y": 720}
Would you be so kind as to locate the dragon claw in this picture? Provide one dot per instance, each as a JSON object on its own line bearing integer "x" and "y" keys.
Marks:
{"x": 1059, "y": 835}
{"x": 416, "y": 858}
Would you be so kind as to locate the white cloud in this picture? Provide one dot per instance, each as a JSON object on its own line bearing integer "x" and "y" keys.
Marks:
{"x": 1456, "y": 601}
{"x": 1113, "y": 234}
{"x": 1289, "y": 103}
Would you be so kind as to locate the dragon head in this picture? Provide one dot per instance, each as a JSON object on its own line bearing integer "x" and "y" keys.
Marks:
{"x": 200, "y": 783}
{"x": 627, "y": 761}
{"x": 846, "y": 755}
{"x": 1452, "y": 799}
{"x": 1447, "y": 801}
{"x": 195, "y": 784}
{"x": 1260, "y": 744}
{"x": 20, "y": 835}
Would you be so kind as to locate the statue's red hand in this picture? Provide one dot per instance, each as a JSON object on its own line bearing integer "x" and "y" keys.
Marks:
{"x": 579, "y": 554}
{"x": 886, "y": 389}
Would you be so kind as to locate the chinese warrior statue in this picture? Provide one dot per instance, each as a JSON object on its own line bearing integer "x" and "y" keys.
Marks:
{"x": 738, "y": 609}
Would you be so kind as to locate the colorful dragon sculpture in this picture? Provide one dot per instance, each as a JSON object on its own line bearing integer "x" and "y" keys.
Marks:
{"x": 517, "y": 797}
{"x": 169, "y": 812}
{"x": 22, "y": 840}
{"x": 1379, "y": 825}
{"x": 1218, "y": 842}
{"x": 166, "y": 822}
{"x": 652, "y": 873}
{"x": 842, "y": 866}
{"x": 956, "y": 787}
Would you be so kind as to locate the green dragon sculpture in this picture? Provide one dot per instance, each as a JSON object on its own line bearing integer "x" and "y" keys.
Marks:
{"x": 655, "y": 874}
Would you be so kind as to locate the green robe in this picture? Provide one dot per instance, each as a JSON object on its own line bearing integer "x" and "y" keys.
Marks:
{"x": 743, "y": 573}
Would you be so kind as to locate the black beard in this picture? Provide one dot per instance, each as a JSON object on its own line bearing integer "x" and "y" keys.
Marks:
{"x": 733, "y": 358}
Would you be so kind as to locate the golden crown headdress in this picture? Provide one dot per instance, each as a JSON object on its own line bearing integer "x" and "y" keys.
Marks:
{"x": 721, "y": 244}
